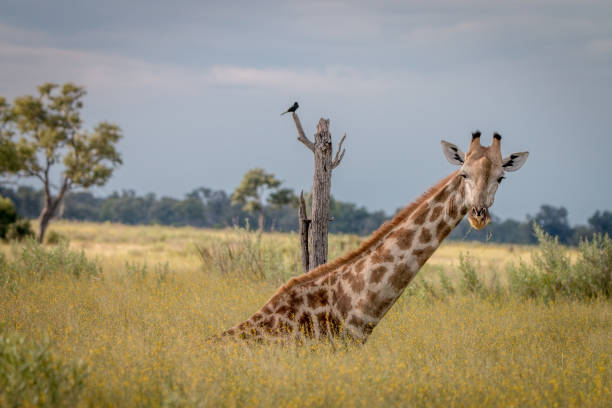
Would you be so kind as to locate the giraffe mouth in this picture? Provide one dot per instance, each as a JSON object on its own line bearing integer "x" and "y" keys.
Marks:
{"x": 479, "y": 218}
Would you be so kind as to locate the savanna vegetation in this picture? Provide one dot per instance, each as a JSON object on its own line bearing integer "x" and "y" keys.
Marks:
{"x": 204, "y": 207}
{"x": 116, "y": 315}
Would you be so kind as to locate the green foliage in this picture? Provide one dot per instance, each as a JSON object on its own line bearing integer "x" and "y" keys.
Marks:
{"x": 55, "y": 238}
{"x": 469, "y": 280}
{"x": 33, "y": 262}
{"x": 445, "y": 283}
{"x": 50, "y": 130}
{"x": 552, "y": 274}
{"x": 8, "y": 215}
{"x": 283, "y": 196}
{"x": 249, "y": 192}
{"x": 19, "y": 230}
{"x": 32, "y": 375}
{"x": 594, "y": 266}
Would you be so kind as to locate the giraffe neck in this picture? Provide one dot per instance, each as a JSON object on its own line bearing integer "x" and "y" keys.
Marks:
{"x": 350, "y": 295}
{"x": 371, "y": 284}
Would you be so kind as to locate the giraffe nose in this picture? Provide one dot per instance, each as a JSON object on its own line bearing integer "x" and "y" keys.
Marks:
{"x": 480, "y": 215}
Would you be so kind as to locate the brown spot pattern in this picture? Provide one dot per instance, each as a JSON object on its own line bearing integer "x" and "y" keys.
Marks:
{"x": 381, "y": 307}
{"x": 425, "y": 236}
{"x": 355, "y": 281}
{"x": 377, "y": 274}
{"x": 342, "y": 301}
{"x": 401, "y": 276}
{"x": 421, "y": 215}
{"x": 452, "y": 208}
{"x": 404, "y": 238}
{"x": 435, "y": 213}
{"x": 442, "y": 230}
{"x": 317, "y": 298}
{"x": 295, "y": 299}
{"x": 370, "y": 298}
{"x": 305, "y": 324}
{"x": 442, "y": 195}
{"x": 423, "y": 255}
{"x": 323, "y": 323}
{"x": 381, "y": 255}
{"x": 359, "y": 266}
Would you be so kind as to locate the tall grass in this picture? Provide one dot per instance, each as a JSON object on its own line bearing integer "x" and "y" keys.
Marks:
{"x": 32, "y": 261}
{"x": 139, "y": 323}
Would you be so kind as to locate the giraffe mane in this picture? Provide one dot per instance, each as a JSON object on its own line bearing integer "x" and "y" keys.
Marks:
{"x": 383, "y": 230}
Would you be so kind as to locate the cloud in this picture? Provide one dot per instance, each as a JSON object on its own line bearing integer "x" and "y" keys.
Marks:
{"x": 23, "y": 66}
{"x": 600, "y": 47}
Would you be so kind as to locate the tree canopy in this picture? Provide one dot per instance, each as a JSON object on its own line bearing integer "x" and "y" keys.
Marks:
{"x": 44, "y": 131}
{"x": 251, "y": 190}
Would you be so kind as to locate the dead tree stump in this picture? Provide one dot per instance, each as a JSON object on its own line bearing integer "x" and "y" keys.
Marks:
{"x": 313, "y": 232}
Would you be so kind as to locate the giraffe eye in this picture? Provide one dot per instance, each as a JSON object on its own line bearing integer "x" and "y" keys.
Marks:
{"x": 499, "y": 180}
{"x": 464, "y": 175}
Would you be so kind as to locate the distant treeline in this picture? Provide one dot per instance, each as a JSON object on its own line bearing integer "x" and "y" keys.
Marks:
{"x": 204, "y": 207}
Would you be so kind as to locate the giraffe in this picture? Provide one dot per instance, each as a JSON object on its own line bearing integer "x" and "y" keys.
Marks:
{"x": 347, "y": 297}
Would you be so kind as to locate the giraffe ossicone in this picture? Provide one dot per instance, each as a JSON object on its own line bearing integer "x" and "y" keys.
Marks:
{"x": 347, "y": 297}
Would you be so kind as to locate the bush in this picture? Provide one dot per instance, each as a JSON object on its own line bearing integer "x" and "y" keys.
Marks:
{"x": 470, "y": 282}
{"x": 32, "y": 375}
{"x": 19, "y": 230}
{"x": 246, "y": 256}
{"x": 54, "y": 238}
{"x": 31, "y": 261}
{"x": 552, "y": 273}
{"x": 594, "y": 266}
{"x": 8, "y": 215}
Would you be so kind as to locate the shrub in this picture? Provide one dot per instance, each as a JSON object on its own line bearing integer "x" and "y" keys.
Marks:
{"x": 8, "y": 215}
{"x": 19, "y": 230}
{"x": 31, "y": 261}
{"x": 470, "y": 282}
{"x": 445, "y": 283}
{"x": 246, "y": 256}
{"x": 594, "y": 266}
{"x": 552, "y": 273}
{"x": 32, "y": 375}
{"x": 54, "y": 238}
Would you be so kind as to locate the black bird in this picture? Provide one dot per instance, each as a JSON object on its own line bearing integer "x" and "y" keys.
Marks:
{"x": 293, "y": 108}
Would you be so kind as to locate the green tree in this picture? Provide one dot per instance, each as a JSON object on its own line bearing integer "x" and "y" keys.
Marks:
{"x": 554, "y": 221}
{"x": 52, "y": 141}
{"x": 9, "y": 159}
{"x": 251, "y": 190}
{"x": 601, "y": 222}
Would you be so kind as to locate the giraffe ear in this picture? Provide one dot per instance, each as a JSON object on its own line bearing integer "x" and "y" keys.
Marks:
{"x": 453, "y": 154}
{"x": 515, "y": 161}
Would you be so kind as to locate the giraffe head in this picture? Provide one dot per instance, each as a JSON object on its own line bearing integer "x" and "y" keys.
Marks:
{"x": 482, "y": 170}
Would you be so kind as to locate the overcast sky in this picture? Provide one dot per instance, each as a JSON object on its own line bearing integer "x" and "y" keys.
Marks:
{"x": 198, "y": 86}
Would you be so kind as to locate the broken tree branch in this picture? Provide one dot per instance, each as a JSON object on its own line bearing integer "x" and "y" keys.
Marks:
{"x": 301, "y": 136}
{"x": 338, "y": 159}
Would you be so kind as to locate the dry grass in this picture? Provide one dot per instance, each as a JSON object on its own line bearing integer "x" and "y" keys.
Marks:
{"x": 141, "y": 331}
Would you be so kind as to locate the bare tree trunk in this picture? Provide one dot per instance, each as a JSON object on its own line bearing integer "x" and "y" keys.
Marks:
{"x": 43, "y": 223}
{"x": 316, "y": 249}
{"x": 50, "y": 207}
{"x": 304, "y": 226}
{"x": 260, "y": 221}
{"x": 321, "y": 187}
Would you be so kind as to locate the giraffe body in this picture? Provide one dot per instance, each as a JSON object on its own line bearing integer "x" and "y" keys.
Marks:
{"x": 347, "y": 297}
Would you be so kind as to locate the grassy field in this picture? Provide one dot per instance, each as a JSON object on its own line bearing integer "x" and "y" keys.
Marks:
{"x": 139, "y": 327}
